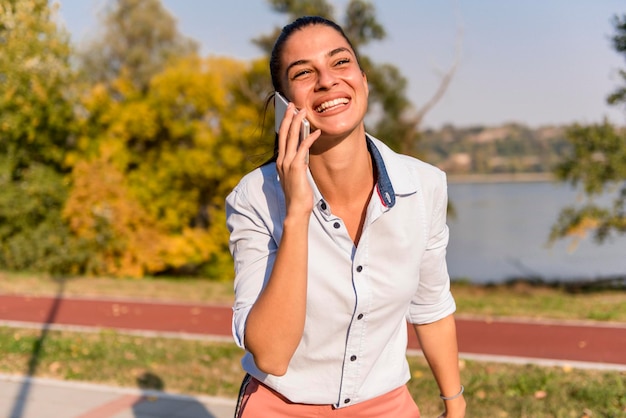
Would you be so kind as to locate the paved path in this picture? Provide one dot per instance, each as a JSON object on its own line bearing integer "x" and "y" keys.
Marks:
{"x": 601, "y": 344}
{"x": 24, "y": 397}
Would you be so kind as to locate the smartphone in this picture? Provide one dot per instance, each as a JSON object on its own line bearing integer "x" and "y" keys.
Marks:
{"x": 280, "y": 107}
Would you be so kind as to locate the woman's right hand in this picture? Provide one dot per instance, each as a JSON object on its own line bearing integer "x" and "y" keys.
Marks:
{"x": 275, "y": 324}
{"x": 455, "y": 408}
{"x": 292, "y": 162}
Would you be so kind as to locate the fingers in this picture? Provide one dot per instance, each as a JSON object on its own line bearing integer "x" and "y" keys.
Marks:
{"x": 305, "y": 145}
{"x": 284, "y": 132}
{"x": 289, "y": 148}
{"x": 292, "y": 162}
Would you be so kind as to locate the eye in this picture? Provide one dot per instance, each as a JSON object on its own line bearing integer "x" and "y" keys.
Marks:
{"x": 300, "y": 73}
{"x": 342, "y": 61}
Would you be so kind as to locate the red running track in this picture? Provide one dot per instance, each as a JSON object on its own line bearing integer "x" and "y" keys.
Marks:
{"x": 579, "y": 342}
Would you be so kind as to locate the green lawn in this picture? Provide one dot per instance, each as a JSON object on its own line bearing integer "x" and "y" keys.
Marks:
{"x": 212, "y": 368}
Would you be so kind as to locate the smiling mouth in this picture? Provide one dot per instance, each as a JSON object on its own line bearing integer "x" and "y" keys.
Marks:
{"x": 331, "y": 104}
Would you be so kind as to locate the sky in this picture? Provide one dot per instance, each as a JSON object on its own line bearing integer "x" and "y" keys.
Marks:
{"x": 534, "y": 62}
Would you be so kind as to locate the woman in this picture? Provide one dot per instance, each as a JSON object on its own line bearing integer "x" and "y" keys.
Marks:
{"x": 336, "y": 243}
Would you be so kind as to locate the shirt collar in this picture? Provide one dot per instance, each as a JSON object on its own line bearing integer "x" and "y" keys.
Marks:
{"x": 383, "y": 183}
{"x": 393, "y": 177}
{"x": 392, "y": 169}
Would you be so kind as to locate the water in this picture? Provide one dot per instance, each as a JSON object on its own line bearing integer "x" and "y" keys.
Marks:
{"x": 501, "y": 232}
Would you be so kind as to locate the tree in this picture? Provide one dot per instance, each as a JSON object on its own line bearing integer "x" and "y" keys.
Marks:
{"x": 598, "y": 163}
{"x": 36, "y": 119}
{"x": 396, "y": 121}
{"x": 148, "y": 188}
{"x": 139, "y": 37}
{"x": 35, "y": 107}
{"x": 163, "y": 136}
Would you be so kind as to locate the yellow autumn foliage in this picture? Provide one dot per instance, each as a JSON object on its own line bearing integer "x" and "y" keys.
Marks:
{"x": 154, "y": 168}
{"x": 101, "y": 209}
{"x": 579, "y": 231}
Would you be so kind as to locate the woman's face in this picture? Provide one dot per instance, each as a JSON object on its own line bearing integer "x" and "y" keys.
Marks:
{"x": 320, "y": 73}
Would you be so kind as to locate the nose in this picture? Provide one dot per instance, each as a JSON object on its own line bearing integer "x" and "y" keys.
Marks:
{"x": 325, "y": 79}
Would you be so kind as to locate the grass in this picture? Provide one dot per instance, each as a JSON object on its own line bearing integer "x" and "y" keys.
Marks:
{"x": 108, "y": 357}
{"x": 541, "y": 301}
{"x": 212, "y": 368}
{"x": 163, "y": 289}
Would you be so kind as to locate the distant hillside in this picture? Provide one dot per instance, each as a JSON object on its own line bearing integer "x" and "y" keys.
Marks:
{"x": 506, "y": 149}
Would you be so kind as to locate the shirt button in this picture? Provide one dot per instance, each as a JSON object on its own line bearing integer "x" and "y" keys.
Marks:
{"x": 346, "y": 400}
{"x": 359, "y": 269}
{"x": 337, "y": 225}
{"x": 360, "y": 316}
{"x": 323, "y": 206}
{"x": 352, "y": 358}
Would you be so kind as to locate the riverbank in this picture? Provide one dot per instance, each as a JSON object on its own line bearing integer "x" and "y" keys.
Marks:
{"x": 501, "y": 178}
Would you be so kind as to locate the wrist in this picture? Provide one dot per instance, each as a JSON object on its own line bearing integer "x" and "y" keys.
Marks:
{"x": 455, "y": 396}
{"x": 455, "y": 407}
{"x": 297, "y": 220}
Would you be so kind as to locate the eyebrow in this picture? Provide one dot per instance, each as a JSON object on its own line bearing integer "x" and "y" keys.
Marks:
{"x": 330, "y": 54}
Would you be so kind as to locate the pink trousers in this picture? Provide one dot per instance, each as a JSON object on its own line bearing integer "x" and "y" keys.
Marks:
{"x": 259, "y": 401}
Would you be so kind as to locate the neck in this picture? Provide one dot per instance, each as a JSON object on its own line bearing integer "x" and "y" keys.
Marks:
{"x": 344, "y": 173}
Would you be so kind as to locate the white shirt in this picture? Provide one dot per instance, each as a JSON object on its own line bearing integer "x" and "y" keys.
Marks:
{"x": 359, "y": 298}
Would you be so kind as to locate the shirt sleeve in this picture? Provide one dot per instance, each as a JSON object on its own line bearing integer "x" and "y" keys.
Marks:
{"x": 253, "y": 249}
{"x": 433, "y": 300}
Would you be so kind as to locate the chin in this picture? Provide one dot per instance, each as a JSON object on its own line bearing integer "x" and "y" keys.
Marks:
{"x": 338, "y": 129}
{"x": 338, "y": 133}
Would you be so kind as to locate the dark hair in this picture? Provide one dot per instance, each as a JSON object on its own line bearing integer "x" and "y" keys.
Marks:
{"x": 277, "y": 50}
{"x": 286, "y": 33}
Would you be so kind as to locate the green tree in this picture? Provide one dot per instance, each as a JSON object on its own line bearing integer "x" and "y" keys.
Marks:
{"x": 598, "y": 163}
{"x": 139, "y": 37}
{"x": 35, "y": 108}
{"x": 36, "y": 117}
{"x": 392, "y": 116}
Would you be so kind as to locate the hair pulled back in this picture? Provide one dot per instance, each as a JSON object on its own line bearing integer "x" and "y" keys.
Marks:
{"x": 285, "y": 34}
{"x": 277, "y": 51}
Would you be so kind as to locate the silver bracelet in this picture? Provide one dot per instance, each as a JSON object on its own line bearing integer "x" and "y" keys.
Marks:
{"x": 449, "y": 398}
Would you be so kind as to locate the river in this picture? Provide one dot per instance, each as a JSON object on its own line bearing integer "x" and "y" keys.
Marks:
{"x": 501, "y": 230}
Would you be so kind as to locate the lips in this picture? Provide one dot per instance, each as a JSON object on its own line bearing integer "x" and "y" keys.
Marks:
{"x": 331, "y": 104}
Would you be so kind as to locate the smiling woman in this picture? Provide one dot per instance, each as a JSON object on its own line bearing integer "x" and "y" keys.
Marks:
{"x": 333, "y": 253}
{"x": 327, "y": 82}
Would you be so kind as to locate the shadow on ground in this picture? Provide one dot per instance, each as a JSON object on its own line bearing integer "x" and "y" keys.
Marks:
{"x": 21, "y": 400}
{"x": 153, "y": 401}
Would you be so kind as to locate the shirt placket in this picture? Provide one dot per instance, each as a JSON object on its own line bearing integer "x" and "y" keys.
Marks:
{"x": 356, "y": 329}
{"x": 357, "y": 332}
{"x": 353, "y": 354}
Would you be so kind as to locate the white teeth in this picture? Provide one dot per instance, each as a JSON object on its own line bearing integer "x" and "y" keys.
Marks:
{"x": 331, "y": 103}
